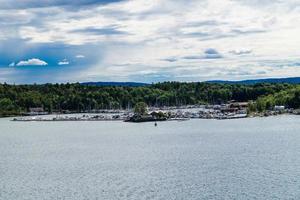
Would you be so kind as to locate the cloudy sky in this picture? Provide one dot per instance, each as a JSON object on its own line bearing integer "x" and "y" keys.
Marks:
{"x": 148, "y": 40}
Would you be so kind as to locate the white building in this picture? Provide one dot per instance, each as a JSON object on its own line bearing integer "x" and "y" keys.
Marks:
{"x": 279, "y": 108}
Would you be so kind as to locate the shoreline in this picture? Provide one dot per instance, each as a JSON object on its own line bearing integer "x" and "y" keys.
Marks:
{"x": 155, "y": 114}
{"x": 40, "y": 118}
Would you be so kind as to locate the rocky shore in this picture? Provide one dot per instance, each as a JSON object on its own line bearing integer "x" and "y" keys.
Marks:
{"x": 154, "y": 114}
{"x": 160, "y": 114}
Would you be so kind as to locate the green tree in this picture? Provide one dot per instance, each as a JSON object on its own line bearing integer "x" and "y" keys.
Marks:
{"x": 251, "y": 107}
{"x": 140, "y": 108}
{"x": 6, "y": 105}
{"x": 261, "y": 104}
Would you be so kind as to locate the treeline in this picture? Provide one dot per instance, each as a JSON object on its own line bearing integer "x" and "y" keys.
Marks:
{"x": 290, "y": 98}
{"x": 15, "y": 99}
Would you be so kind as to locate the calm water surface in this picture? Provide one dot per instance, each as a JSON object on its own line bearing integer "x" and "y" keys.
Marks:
{"x": 256, "y": 158}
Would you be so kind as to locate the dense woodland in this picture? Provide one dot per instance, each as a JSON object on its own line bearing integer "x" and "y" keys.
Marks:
{"x": 16, "y": 99}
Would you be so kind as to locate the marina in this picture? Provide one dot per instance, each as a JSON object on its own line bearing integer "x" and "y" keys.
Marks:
{"x": 168, "y": 113}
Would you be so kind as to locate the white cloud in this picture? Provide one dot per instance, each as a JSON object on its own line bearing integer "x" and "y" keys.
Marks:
{"x": 12, "y": 64}
{"x": 153, "y": 32}
{"x": 32, "y": 62}
{"x": 63, "y": 62}
{"x": 241, "y": 51}
{"x": 80, "y": 56}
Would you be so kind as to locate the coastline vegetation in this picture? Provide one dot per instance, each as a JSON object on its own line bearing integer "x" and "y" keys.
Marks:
{"x": 289, "y": 98}
{"x": 18, "y": 99}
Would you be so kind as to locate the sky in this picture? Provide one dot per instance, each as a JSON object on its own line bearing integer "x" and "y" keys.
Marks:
{"x": 149, "y": 41}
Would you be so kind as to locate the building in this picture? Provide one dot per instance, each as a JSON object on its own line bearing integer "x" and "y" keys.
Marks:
{"x": 279, "y": 108}
{"x": 239, "y": 105}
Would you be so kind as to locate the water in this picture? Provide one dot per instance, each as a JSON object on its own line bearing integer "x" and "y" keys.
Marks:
{"x": 256, "y": 158}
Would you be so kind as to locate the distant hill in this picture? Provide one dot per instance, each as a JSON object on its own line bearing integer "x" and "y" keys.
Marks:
{"x": 129, "y": 84}
{"x": 292, "y": 80}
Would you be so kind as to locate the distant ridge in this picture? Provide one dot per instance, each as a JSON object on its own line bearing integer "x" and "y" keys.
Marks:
{"x": 127, "y": 84}
{"x": 292, "y": 80}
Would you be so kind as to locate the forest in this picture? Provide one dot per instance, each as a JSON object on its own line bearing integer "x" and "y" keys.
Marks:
{"x": 76, "y": 97}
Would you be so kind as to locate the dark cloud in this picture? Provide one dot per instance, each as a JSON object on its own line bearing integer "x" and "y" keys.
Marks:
{"x": 247, "y": 32}
{"x": 198, "y": 34}
{"x": 170, "y": 59}
{"x": 192, "y": 57}
{"x": 211, "y": 53}
{"x": 101, "y": 31}
{"x": 261, "y": 72}
{"x": 203, "y": 23}
{"x": 238, "y": 73}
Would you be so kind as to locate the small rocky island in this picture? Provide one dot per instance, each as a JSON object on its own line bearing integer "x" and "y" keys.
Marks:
{"x": 141, "y": 114}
